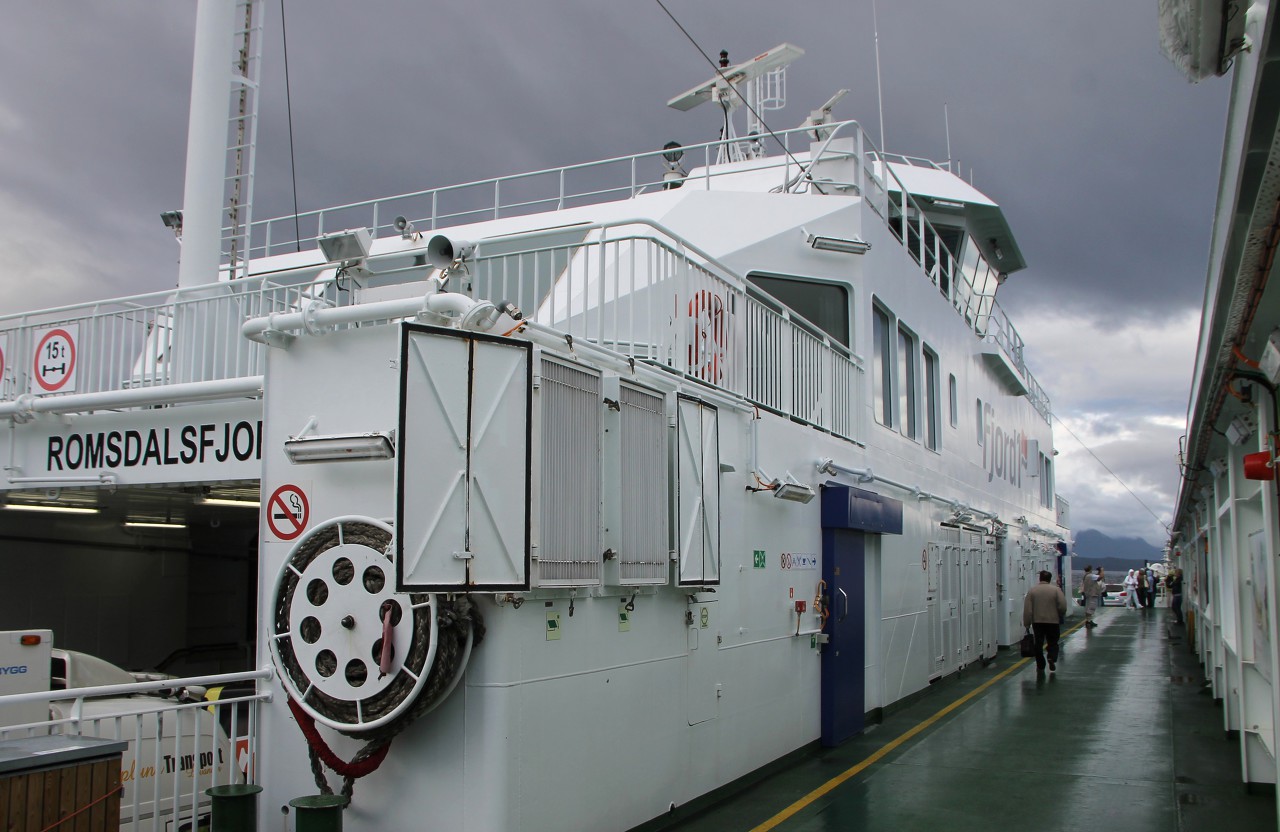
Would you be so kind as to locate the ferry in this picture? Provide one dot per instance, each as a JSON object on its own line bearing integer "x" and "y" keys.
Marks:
{"x": 1226, "y": 529}
{"x": 557, "y": 500}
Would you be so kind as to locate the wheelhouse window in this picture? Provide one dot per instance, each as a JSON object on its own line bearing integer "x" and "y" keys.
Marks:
{"x": 908, "y": 385}
{"x": 932, "y": 414}
{"x": 825, "y": 305}
{"x": 882, "y": 366}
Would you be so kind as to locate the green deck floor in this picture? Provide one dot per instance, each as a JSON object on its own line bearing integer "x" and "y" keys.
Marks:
{"x": 1123, "y": 737}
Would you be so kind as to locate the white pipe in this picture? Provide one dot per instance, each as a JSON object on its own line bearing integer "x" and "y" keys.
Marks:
{"x": 317, "y": 316}
{"x": 867, "y": 475}
{"x": 207, "y": 143}
{"x": 24, "y": 407}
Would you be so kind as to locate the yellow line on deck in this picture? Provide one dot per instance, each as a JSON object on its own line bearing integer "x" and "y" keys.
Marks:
{"x": 826, "y": 787}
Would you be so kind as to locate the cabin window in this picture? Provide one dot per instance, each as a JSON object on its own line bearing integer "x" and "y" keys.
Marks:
{"x": 955, "y": 400}
{"x": 932, "y": 415}
{"x": 908, "y": 386}
{"x": 882, "y": 367}
{"x": 825, "y": 305}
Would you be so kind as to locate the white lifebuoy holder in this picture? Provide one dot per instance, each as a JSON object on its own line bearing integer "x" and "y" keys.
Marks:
{"x": 707, "y": 336}
{"x": 332, "y": 594}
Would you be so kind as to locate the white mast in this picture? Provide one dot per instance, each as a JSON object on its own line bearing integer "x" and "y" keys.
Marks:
{"x": 220, "y": 137}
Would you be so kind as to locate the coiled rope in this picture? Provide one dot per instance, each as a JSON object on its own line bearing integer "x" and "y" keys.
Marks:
{"x": 459, "y": 628}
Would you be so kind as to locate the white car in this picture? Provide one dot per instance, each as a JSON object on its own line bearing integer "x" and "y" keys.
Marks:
{"x": 1115, "y": 595}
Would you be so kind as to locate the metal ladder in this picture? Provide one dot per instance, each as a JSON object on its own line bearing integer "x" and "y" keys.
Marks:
{"x": 242, "y": 136}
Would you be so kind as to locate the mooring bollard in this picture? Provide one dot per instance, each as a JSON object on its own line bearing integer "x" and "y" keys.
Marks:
{"x": 318, "y": 812}
{"x": 235, "y": 807}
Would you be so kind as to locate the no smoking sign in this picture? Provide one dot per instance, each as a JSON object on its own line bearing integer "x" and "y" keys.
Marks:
{"x": 53, "y": 363}
{"x": 288, "y": 512}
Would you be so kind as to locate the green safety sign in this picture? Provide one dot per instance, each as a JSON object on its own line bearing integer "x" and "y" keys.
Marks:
{"x": 759, "y": 559}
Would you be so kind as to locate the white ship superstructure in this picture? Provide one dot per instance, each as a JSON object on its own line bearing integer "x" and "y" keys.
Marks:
{"x": 650, "y": 471}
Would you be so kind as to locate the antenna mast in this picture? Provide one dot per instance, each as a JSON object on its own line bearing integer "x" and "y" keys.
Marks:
{"x": 875, "y": 30}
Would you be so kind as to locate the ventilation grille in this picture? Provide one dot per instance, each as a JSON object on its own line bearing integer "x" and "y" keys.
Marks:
{"x": 644, "y": 550}
{"x": 569, "y": 553}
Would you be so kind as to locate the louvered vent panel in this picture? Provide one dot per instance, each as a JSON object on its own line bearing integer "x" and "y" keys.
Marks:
{"x": 644, "y": 548}
{"x": 569, "y": 552}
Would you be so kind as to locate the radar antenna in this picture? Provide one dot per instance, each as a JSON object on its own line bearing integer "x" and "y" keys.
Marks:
{"x": 760, "y": 83}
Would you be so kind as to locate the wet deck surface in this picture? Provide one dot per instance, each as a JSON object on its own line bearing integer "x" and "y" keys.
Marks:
{"x": 1124, "y": 736}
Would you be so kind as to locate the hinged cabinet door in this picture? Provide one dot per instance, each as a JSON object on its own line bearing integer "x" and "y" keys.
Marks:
{"x": 698, "y": 493}
{"x": 462, "y": 508}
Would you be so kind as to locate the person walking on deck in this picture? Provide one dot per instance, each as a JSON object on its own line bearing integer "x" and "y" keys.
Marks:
{"x": 1092, "y": 591}
{"x": 1042, "y": 609}
{"x": 1131, "y": 590}
{"x": 1142, "y": 588}
{"x": 1174, "y": 582}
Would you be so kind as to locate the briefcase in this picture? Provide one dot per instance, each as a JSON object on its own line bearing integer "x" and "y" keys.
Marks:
{"x": 1028, "y": 646}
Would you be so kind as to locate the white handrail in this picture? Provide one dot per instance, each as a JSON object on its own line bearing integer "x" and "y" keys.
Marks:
{"x": 129, "y": 689}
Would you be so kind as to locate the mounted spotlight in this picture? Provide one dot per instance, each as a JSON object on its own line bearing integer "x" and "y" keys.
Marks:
{"x": 845, "y": 246}
{"x": 348, "y": 247}
{"x": 1218, "y": 467}
{"x": 173, "y": 221}
{"x": 795, "y": 492}
{"x": 674, "y": 175}
{"x": 340, "y": 447}
{"x": 444, "y": 253}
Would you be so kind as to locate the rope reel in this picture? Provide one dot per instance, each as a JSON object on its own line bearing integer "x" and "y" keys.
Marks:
{"x": 335, "y": 604}
{"x": 354, "y": 654}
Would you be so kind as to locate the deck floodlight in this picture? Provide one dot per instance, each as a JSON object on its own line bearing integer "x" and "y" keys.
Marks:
{"x": 346, "y": 247}
{"x": 443, "y": 252}
{"x": 673, "y": 153}
{"x": 173, "y": 221}
{"x": 340, "y": 447}
{"x": 846, "y": 246}
{"x": 794, "y": 492}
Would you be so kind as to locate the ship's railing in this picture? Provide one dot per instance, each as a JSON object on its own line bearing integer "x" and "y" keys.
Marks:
{"x": 179, "y": 743}
{"x": 589, "y": 183}
{"x": 184, "y": 335}
{"x": 635, "y": 288}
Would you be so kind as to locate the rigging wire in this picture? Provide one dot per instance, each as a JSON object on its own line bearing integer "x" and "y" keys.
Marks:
{"x": 288, "y": 102}
{"x": 1116, "y": 476}
{"x": 745, "y": 102}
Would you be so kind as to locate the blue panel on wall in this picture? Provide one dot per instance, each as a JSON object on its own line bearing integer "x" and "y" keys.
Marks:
{"x": 846, "y": 507}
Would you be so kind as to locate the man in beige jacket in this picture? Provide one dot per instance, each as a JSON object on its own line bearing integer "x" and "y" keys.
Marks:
{"x": 1042, "y": 609}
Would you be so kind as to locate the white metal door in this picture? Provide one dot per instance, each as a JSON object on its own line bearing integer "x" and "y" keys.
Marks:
{"x": 698, "y": 493}
{"x": 462, "y": 508}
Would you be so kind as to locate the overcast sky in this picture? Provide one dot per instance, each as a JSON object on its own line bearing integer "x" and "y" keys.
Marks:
{"x": 1104, "y": 159}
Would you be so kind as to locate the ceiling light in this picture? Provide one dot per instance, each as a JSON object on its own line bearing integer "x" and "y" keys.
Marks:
{"x": 946, "y": 203}
{"x": 153, "y": 524}
{"x": 218, "y": 501}
{"x": 854, "y": 246}
{"x": 795, "y": 492}
{"x": 52, "y": 509}
{"x": 347, "y": 247}
{"x": 337, "y": 447}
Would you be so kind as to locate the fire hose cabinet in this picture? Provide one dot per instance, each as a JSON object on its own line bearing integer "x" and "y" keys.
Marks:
{"x": 60, "y": 782}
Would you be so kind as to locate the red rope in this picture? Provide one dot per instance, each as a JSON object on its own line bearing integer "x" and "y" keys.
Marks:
{"x": 117, "y": 790}
{"x": 355, "y": 770}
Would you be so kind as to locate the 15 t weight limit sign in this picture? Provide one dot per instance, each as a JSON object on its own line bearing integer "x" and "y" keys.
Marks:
{"x": 53, "y": 363}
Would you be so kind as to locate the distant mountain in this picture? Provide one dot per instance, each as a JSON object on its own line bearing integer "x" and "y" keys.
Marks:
{"x": 1113, "y": 553}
